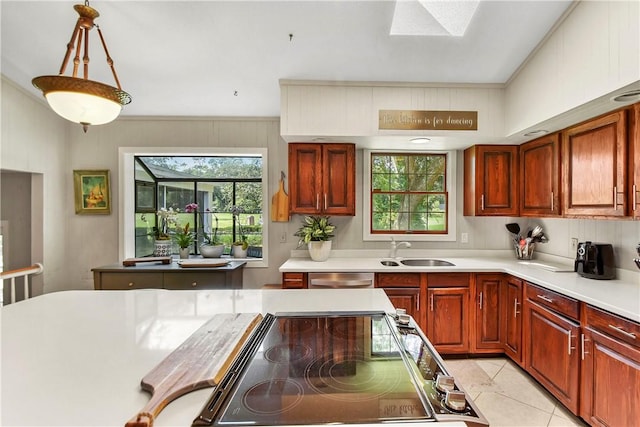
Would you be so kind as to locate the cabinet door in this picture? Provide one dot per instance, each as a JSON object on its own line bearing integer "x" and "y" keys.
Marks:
{"x": 491, "y": 180}
{"x": 305, "y": 178}
{"x": 595, "y": 167}
{"x": 540, "y": 177}
{"x": 338, "y": 179}
{"x": 610, "y": 381}
{"x": 634, "y": 162}
{"x": 513, "y": 319}
{"x": 406, "y": 298}
{"x": 447, "y": 319}
{"x": 489, "y": 329}
{"x": 551, "y": 354}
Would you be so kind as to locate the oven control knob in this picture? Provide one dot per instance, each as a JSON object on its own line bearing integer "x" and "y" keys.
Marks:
{"x": 455, "y": 400}
{"x": 445, "y": 383}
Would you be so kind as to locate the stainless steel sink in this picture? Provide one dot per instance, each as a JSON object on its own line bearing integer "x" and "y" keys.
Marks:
{"x": 426, "y": 262}
{"x": 389, "y": 263}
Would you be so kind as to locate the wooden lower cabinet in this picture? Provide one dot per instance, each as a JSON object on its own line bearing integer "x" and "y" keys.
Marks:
{"x": 513, "y": 319}
{"x": 489, "y": 313}
{"x": 551, "y": 352}
{"x": 610, "y": 388}
{"x": 407, "y": 299}
{"x": 447, "y": 319}
{"x": 405, "y": 291}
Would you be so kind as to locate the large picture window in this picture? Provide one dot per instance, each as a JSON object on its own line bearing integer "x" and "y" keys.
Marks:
{"x": 409, "y": 195}
{"x": 229, "y": 185}
{"x": 219, "y": 185}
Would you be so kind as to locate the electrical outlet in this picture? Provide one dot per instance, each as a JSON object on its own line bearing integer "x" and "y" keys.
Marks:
{"x": 574, "y": 244}
{"x": 283, "y": 237}
{"x": 464, "y": 237}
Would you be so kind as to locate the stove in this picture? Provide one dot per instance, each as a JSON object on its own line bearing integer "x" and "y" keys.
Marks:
{"x": 338, "y": 368}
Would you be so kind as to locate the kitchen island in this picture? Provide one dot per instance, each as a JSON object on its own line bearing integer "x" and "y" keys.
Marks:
{"x": 76, "y": 358}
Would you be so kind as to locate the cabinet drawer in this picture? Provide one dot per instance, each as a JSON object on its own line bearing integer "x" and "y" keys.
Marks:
{"x": 613, "y": 325}
{"x": 553, "y": 300}
{"x": 294, "y": 280}
{"x": 182, "y": 281}
{"x": 122, "y": 281}
{"x": 445, "y": 280}
{"x": 398, "y": 280}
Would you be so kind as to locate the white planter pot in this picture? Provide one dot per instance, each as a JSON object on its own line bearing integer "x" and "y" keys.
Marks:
{"x": 211, "y": 251}
{"x": 319, "y": 251}
{"x": 238, "y": 252}
{"x": 162, "y": 248}
{"x": 184, "y": 253}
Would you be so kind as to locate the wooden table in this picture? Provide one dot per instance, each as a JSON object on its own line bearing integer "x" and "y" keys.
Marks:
{"x": 168, "y": 276}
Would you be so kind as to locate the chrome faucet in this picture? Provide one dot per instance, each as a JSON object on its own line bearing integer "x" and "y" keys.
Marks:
{"x": 395, "y": 246}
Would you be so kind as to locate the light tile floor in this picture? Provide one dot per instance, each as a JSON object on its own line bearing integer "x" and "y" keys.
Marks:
{"x": 507, "y": 396}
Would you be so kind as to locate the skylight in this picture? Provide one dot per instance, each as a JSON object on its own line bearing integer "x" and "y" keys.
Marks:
{"x": 432, "y": 18}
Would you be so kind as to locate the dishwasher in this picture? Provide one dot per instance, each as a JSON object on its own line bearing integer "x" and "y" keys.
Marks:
{"x": 340, "y": 280}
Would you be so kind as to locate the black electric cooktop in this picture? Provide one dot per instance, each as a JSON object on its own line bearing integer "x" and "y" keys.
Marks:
{"x": 320, "y": 369}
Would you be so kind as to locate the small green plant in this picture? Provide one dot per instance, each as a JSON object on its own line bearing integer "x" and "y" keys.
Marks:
{"x": 315, "y": 229}
{"x": 183, "y": 237}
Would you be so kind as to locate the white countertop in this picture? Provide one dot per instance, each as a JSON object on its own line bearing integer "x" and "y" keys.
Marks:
{"x": 620, "y": 296}
{"x": 76, "y": 358}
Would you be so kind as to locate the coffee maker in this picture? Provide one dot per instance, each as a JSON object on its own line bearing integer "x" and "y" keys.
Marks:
{"x": 595, "y": 261}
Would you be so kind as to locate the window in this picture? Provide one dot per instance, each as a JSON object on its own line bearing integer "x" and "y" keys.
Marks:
{"x": 409, "y": 195}
{"x": 216, "y": 179}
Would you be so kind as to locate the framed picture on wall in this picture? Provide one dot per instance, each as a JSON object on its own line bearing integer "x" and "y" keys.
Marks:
{"x": 92, "y": 191}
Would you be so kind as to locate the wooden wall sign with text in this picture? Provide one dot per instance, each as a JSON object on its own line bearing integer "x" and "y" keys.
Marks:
{"x": 427, "y": 120}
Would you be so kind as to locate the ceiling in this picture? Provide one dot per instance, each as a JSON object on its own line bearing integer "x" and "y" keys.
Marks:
{"x": 225, "y": 58}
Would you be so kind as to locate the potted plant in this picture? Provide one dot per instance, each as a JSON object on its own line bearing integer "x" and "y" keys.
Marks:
{"x": 316, "y": 232}
{"x": 184, "y": 238}
{"x": 162, "y": 244}
{"x": 211, "y": 247}
{"x": 241, "y": 245}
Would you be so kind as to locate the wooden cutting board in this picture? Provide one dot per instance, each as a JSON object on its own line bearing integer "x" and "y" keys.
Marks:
{"x": 280, "y": 204}
{"x": 202, "y": 263}
{"x": 199, "y": 362}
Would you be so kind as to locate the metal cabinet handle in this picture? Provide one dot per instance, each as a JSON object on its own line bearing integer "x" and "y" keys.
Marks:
{"x": 623, "y": 332}
{"x": 582, "y": 346}
{"x": 418, "y": 303}
{"x": 480, "y": 303}
{"x": 482, "y": 202}
{"x": 569, "y": 343}
{"x": 325, "y": 201}
{"x": 431, "y": 302}
{"x": 130, "y": 284}
{"x": 515, "y": 307}
{"x": 543, "y": 298}
{"x": 635, "y": 192}
{"x": 615, "y": 198}
{"x": 552, "y": 200}
{"x": 317, "y": 201}
{"x": 194, "y": 284}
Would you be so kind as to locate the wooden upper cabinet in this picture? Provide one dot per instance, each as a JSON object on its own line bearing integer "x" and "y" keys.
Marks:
{"x": 491, "y": 180}
{"x": 322, "y": 179}
{"x": 594, "y": 167}
{"x": 634, "y": 161}
{"x": 540, "y": 177}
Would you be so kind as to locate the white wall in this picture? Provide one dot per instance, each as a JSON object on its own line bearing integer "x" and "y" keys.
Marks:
{"x": 34, "y": 140}
{"x": 594, "y": 52}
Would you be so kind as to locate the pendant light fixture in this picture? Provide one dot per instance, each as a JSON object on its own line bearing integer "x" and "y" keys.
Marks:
{"x": 81, "y": 100}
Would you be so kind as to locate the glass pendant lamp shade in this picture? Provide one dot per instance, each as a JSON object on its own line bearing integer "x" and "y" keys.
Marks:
{"x": 81, "y": 100}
